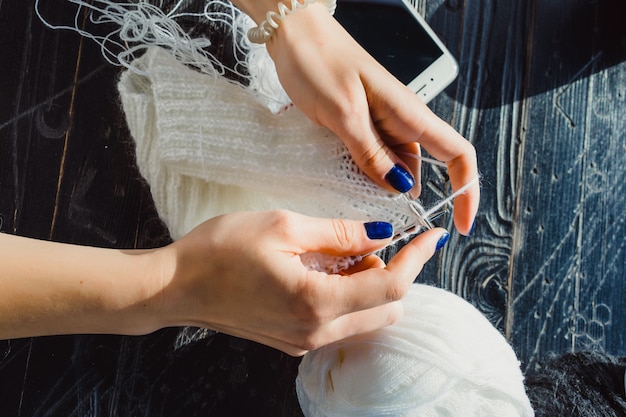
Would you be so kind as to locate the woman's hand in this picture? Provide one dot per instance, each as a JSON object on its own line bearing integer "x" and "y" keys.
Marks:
{"x": 340, "y": 86}
{"x": 242, "y": 274}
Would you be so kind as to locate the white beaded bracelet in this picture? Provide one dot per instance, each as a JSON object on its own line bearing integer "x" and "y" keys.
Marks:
{"x": 266, "y": 29}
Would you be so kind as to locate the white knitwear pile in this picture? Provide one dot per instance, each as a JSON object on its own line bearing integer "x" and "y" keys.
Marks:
{"x": 207, "y": 146}
{"x": 443, "y": 358}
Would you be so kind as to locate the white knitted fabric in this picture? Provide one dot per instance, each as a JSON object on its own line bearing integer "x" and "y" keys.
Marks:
{"x": 443, "y": 358}
{"x": 207, "y": 147}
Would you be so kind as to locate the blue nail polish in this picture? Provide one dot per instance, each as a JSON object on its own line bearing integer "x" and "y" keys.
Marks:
{"x": 400, "y": 179}
{"x": 442, "y": 241}
{"x": 378, "y": 230}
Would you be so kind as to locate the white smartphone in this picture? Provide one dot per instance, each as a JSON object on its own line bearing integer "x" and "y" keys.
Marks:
{"x": 401, "y": 40}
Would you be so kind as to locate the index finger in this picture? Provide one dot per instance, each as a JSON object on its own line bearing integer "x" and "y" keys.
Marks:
{"x": 447, "y": 145}
{"x": 418, "y": 123}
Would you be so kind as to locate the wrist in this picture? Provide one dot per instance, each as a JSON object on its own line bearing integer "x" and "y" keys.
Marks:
{"x": 152, "y": 295}
{"x": 135, "y": 303}
{"x": 174, "y": 291}
{"x": 285, "y": 11}
{"x": 158, "y": 303}
{"x": 257, "y": 9}
{"x": 118, "y": 292}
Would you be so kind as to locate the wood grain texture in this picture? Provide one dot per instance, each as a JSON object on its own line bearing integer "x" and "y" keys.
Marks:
{"x": 568, "y": 289}
{"x": 541, "y": 94}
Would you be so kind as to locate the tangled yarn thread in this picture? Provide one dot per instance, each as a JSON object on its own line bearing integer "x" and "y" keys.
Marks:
{"x": 126, "y": 30}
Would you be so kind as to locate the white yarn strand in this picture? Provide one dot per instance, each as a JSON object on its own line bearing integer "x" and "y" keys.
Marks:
{"x": 136, "y": 26}
{"x": 140, "y": 25}
{"x": 448, "y": 200}
{"x": 335, "y": 264}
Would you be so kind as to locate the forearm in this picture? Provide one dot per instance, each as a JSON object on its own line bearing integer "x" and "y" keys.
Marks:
{"x": 51, "y": 288}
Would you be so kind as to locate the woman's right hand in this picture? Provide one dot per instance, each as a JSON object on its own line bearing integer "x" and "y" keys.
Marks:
{"x": 337, "y": 84}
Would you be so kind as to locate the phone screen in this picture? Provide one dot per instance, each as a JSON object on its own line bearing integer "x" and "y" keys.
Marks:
{"x": 390, "y": 33}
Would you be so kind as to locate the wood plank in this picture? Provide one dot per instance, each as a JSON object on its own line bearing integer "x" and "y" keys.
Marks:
{"x": 568, "y": 256}
{"x": 489, "y": 41}
{"x": 512, "y": 99}
{"x": 34, "y": 104}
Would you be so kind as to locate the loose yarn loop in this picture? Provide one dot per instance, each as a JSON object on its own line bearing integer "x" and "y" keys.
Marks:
{"x": 126, "y": 30}
{"x": 140, "y": 25}
{"x": 443, "y": 358}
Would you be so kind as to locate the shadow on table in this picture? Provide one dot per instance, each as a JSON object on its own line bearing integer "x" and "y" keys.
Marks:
{"x": 508, "y": 53}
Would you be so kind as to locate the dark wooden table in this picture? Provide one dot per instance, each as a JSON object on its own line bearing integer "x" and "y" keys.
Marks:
{"x": 541, "y": 94}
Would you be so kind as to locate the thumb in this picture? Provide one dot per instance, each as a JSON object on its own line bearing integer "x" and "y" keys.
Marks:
{"x": 412, "y": 257}
{"x": 369, "y": 149}
{"x": 374, "y": 286}
{"x": 343, "y": 237}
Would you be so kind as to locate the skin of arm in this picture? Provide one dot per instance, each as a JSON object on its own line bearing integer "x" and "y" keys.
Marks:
{"x": 53, "y": 288}
{"x": 247, "y": 282}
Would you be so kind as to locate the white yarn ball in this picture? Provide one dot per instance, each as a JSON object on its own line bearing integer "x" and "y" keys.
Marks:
{"x": 443, "y": 358}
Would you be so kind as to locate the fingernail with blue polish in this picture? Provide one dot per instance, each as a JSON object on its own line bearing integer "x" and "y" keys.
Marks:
{"x": 378, "y": 230}
{"x": 400, "y": 179}
{"x": 442, "y": 241}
